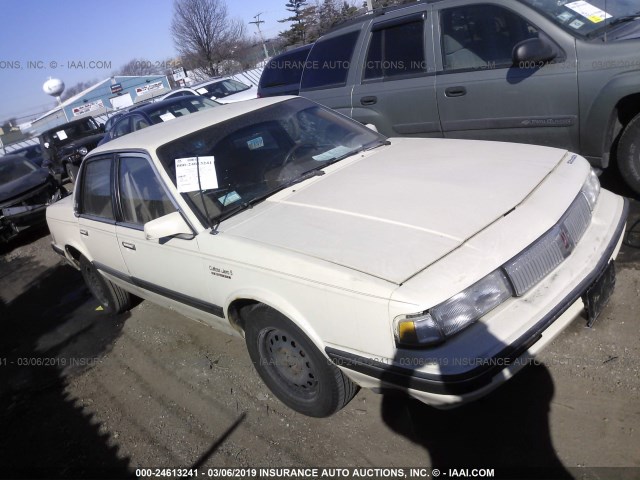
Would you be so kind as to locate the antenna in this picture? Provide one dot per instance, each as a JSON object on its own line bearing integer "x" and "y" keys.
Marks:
{"x": 257, "y": 23}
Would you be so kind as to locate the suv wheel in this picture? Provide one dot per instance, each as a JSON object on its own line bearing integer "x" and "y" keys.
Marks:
{"x": 629, "y": 154}
{"x": 292, "y": 366}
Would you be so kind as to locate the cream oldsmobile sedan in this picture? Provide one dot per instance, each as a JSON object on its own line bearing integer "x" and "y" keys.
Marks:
{"x": 345, "y": 259}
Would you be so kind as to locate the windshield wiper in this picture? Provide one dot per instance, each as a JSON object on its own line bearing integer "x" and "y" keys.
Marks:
{"x": 625, "y": 19}
{"x": 245, "y": 205}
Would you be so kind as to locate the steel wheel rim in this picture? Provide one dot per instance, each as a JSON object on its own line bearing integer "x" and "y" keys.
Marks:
{"x": 283, "y": 356}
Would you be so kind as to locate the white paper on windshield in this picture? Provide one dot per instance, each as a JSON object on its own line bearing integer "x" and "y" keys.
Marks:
{"x": 202, "y": 91}
{"x": 565, "y": 16}
{"x": 331, "y": 154}
{"x": 187, "y": 174}
{"x": 591, "y": 12}
{"x": 255, "y": 143}
{"x": 167, "y": 116}
{"x": 61, "y": 135}
{"x": 576, "y": 24}
{"x": 229, "y": 198}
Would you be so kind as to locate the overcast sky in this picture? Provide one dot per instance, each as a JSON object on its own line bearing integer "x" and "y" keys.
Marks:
{"x": 87, "y": 40}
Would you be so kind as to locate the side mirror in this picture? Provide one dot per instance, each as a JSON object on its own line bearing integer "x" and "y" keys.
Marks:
{"x": 371, "y": 126}
{"x": 532, "y": 51}
{"x": 167, "y": 226}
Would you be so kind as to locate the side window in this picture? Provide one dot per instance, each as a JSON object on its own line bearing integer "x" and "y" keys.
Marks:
{"x": 142, "y": 197}
{"x": 481, "y": 36}
{"x": 396, "y": 49}
{"x": 122, "y": 127}
{"x": 328, "y": 62}
{"x": 96, "y": 189}
{"x": 138, "y": 122}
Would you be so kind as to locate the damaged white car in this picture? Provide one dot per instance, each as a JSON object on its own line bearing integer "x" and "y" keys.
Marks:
{"x": 345, "y": 259}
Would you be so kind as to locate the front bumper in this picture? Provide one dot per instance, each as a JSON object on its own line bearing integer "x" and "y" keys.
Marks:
{"x": 457, "y": 372}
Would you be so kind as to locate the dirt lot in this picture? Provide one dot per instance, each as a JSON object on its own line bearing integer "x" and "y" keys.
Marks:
{"x": 86, "y": 395}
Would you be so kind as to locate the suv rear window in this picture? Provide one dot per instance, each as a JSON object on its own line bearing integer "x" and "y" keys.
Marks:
{"x": 328, "y": 62}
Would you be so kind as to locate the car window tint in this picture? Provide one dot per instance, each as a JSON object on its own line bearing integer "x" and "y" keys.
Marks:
{"x": 139, "y": 122}
{"x": 121, "y": 128}
{"x": 96, "y": 189}
{"x": 396, "y": 50}
{"x": 142, "y": 197}
{"x": 284, "y": 69}
{"x": 481, "y": 36}
{"x": 328, "y": 62}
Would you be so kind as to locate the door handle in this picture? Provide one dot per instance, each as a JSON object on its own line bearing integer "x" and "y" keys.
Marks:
{"x": 368, "y": 100}
{"x": 84, "y": 232}
{"x": 128, "y": 245}
{"x": 455, "y": 92}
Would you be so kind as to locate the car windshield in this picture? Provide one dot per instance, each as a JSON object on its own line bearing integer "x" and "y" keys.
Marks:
{"x": 223, "y": 88}
{"x": 14, "y": 168}
{"x": 587, "y": 18}
{"x": 250, "y": 157}
{"x": 66, "y": 133}
{"x": 183, "y": 106}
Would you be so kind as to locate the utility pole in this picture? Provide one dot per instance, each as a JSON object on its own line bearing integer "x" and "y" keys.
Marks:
{"x": 369, "y": 6}
{"x": 257, "y": 23}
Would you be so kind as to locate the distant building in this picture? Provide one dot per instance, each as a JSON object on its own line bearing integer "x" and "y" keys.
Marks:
{"x": 106, "y": 96}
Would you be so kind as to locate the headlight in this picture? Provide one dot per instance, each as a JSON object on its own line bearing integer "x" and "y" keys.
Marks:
{"x": 448, "y": 318}
{"x": 591, "y": 189}
{"x": 83, "y": 151}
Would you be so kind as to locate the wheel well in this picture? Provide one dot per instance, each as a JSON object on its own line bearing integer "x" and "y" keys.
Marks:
{"x": 75, "y": 255}
{"x": 625, "y": 110}
{"x": 234, "y": 312}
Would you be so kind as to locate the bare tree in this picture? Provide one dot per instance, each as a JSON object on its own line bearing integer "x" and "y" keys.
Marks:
{"x": 204, "y": 34}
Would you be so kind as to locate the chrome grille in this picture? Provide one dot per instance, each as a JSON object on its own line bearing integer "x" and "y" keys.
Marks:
{"x": 535, "y": 262}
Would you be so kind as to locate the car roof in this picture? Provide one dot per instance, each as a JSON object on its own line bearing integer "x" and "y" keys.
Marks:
{"x": 151, "y": 107}
{"x": 157, "y": 135}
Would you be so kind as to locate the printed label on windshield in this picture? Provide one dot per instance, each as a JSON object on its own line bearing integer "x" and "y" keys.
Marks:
{"x": 167, "y": 116}
{"x": 187, "y": 170}
{"x": 576, "y": 24}
{"x": 564, "y": 17}
{"x": 202, "y": 91}
{"x": 229, "y": 198}
{"x": 62, "y": 135}
{"x": 331, "y": 154}
{"x": 255, "y": 143}
{"x": 590, "y": 12}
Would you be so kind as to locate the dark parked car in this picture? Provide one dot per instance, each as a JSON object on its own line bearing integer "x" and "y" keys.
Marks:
{"x": 25, "y": 191}
{"x": 556, "y": 73}
{"x": 157, "y": 112}
{"x": 281, "y": 75}
{"x": 32, "y": 152}
{"x": 66, "y": 145}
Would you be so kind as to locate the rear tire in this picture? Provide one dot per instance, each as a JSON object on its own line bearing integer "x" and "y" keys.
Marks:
{"x": 629, "y": 154}
{"x": 292, "y": 366}
{"x": 113, "y": 299}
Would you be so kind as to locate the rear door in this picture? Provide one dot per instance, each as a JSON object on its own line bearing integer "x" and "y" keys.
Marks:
{"x": 96, "y": 213}
{"x": 328, "y": 77}
{"x": 395, "y": 87}
{"x": 482, "y": 95}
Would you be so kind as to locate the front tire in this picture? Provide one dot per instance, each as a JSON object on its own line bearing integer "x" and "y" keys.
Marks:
{"x": 629, "y": 154}
{"x": 292, "y": 366}
{"x": 113, "y": 299}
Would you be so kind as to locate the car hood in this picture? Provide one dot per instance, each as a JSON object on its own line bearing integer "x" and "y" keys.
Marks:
{"x": 90, "y": 140}
{"x": 22, "y": 185}
{"x": 399, "y": 208}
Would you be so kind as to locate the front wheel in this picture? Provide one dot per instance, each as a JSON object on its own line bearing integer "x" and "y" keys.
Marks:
{"x": 112, "y": 298}
{"x": 292, "y": 366}
{"x": 629, "y": 154}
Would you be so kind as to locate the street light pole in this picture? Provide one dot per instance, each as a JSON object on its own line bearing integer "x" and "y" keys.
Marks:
{"x": 257, "y": 23}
